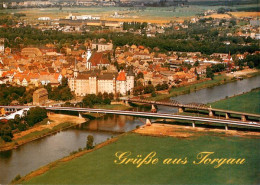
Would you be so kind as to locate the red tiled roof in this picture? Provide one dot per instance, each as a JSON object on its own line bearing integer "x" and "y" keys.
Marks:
{"x": 97, "y": 58}
{"x": 121, "y": 76}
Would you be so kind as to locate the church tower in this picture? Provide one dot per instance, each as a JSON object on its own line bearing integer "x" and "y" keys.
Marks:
{"x": 76, "y": 71}
{"x": 87, "y": 56}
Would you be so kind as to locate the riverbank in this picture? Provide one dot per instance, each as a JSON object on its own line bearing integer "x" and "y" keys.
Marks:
{"x": 205, "y": 83}
{"x": 95, "y": 166}
{"x": 57, "y": 123}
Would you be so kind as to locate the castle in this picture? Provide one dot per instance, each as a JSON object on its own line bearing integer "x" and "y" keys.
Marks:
{"x": 94, "y": 82}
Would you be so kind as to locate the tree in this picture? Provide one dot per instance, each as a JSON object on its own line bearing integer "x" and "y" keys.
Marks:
{"x": 221, "y": 10}
{"x": 90, "y": 140}
{"x": 111, "y": 96}
{"x": 35, "y": 115}
{"x": 140, "y": 75}
{"x": 107, "y": 101}
{"x": 105, "y": 95}
{"x": 209, "y": 73}
{"x": 149, "y": 89}
{"x": 196, "y": 64}
{"x": 6, "y": 133}
{"x": 251, "y": 64}
{"x": 64, "y": 82}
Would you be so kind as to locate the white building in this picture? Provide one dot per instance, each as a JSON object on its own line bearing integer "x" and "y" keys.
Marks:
{"x": 44, "y": 18}
{"x": 92, "y": 83}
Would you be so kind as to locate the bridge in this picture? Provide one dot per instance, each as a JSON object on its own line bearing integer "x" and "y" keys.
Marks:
{"x": 181, "y": 108}
{"x": 193, "y": 119}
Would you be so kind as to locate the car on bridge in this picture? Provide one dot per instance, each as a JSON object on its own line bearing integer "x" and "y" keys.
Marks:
{"x": 253, "y": 123}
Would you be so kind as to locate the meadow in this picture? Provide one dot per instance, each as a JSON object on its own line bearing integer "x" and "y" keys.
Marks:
{"x": 98, "y": 167}
{"x": 248, "y": 102}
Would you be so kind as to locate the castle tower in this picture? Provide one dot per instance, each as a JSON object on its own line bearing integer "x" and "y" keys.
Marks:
{"x": 130, "y": 80}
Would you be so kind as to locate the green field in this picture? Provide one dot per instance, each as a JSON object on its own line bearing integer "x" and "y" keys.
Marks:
{"x": 98, "y": 167}
{"x": 248, "y": 102}
{"x": 135, "y": 13}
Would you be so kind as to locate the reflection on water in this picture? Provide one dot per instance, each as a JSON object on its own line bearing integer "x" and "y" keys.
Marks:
{"x": 113, "y": 123}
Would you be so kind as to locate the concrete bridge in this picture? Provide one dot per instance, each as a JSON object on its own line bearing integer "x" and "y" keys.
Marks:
{"x": 193, "y": 119}
{"x": 182, "y": 107}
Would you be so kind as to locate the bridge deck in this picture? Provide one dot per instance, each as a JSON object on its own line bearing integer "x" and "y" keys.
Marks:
{"x": 193, "y": 107}
{"x": 148, "y": 114}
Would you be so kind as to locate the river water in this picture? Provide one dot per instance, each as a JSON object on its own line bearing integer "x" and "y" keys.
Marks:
{"x": 38, "y": 153}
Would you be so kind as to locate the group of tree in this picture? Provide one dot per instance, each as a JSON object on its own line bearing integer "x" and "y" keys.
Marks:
{"x": 160, "y": 87}
{"x": 218, "y": 68}
{"x": 33, "y": 116}
{"x": 253, "y": 61}
{"x": 140, "y": 89}
{"x": 62, "y": 92}
{"x": 196, "y": 38}
{"x": 214, "y": 68}
{"x": 91, "y": 99}
{"x": 134, "y": 25}
{"x": 10, "y": 93}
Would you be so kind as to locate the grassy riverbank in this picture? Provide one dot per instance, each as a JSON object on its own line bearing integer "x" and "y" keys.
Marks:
{"x": 58, "y": 122}
{"x": 98, "y": 166}
{"x": 202, "y": 84}
{"x": 248, "y": 102}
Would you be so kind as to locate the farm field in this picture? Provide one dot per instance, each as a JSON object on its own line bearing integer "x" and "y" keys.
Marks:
{"x": 149, "y": 14}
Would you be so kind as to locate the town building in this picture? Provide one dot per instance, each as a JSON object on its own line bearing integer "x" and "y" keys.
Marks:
{"x": 40, "y": 97}
{"x": 31, "y": 52}
{"x": 99, "y": 47}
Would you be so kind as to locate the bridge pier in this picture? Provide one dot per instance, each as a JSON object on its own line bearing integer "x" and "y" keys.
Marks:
{"x": 193, "y": 124}
{"x": 244, "y": 118}
{"x": 227, "y": 115}
{"x": 127, "y": 103}
{"x": 148, "y": 122}
{"x": 226, "y": 127}
{"x": 181, "y": 109}
{"x": 211, "y": 113}
{"x": 80, "y": 116}
{"x": 154, "y": 110}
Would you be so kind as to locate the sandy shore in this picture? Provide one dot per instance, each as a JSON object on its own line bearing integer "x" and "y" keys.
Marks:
{"x": 55, "y": 119}
{"x": 242, "y": 73}
{"x": 157, "y": 129}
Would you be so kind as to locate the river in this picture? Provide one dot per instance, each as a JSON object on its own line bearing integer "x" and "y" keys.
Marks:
{"x": 38, "y": 153}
